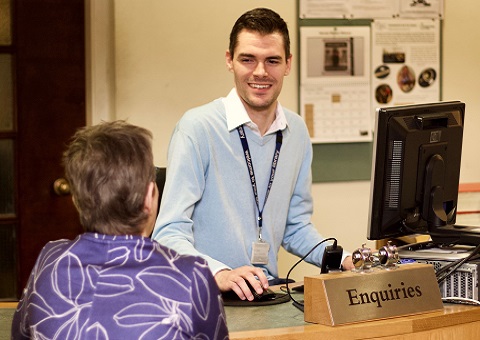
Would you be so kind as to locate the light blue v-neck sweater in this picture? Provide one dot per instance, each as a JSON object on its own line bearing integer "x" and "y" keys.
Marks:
{"x": 208, "y": 207}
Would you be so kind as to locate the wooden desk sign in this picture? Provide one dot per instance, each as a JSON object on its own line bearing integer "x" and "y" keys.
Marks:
{"x": 346, "y": 297}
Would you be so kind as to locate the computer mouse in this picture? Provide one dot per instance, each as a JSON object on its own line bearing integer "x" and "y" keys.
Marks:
{"x": 267, "y": 294}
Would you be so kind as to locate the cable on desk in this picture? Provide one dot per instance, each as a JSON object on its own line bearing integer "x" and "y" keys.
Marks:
{"x": 295, "y": 302}
{"x": 464, "y": 301}
{"x": 450, "y": 268}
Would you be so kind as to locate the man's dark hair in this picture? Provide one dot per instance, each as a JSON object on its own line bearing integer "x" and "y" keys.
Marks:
{"x": 261, "y": 20}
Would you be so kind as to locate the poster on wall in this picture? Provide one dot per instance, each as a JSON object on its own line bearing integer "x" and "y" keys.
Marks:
{"x": 421, "y": 9}
{"x": 405, "y": 62}
{"x": 335, "y": 83}
{"x": 374, "y": 9}
{"x": 348, "y": 9}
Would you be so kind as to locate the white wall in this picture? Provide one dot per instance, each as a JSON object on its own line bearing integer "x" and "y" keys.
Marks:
{"x": 461, "y": 76}
{"x": 169, "y": 57}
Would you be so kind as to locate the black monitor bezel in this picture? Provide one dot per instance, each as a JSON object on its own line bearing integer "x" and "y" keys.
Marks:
{"x": 376, "y": 230}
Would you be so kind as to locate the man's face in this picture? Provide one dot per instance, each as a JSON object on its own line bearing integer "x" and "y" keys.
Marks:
{"x": 259, "y": 65}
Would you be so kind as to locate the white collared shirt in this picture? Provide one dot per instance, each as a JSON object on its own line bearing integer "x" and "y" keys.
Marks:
{"x": 237, "y": 115}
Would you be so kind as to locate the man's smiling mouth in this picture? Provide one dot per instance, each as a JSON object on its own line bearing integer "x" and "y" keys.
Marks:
{"x": 260, "y": 86}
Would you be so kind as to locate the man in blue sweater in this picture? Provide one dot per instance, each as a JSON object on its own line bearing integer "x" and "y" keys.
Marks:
{"x": 239, "y": 168}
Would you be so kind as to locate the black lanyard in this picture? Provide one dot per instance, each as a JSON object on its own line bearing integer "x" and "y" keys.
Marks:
{"x": 248, "y": 160}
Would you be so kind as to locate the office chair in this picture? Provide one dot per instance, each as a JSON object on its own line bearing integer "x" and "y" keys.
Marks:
{"x": 161, "y": 174}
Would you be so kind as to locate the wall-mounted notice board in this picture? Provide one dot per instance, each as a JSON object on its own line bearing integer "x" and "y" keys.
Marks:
{"x": 356, "y": 56}
{"x": 343, "y": 160}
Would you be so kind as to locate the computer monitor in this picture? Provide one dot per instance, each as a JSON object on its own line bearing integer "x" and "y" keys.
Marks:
{"x": 416, "y": 171}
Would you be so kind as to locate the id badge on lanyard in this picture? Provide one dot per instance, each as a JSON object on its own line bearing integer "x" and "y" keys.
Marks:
{"x": 260, "y": 248}
{"x": 260, "y": 252}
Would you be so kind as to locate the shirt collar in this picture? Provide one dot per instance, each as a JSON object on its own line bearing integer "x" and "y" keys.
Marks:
{"x": 237, "y": 115}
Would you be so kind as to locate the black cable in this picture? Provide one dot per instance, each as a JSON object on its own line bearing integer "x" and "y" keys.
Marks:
{"x": 449, "y": 269}
{"x": 303, "y": 258}
{"x": 457, "y": 263}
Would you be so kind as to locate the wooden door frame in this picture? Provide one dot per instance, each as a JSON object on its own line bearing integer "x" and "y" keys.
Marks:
{"x": 100, "y": 60}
